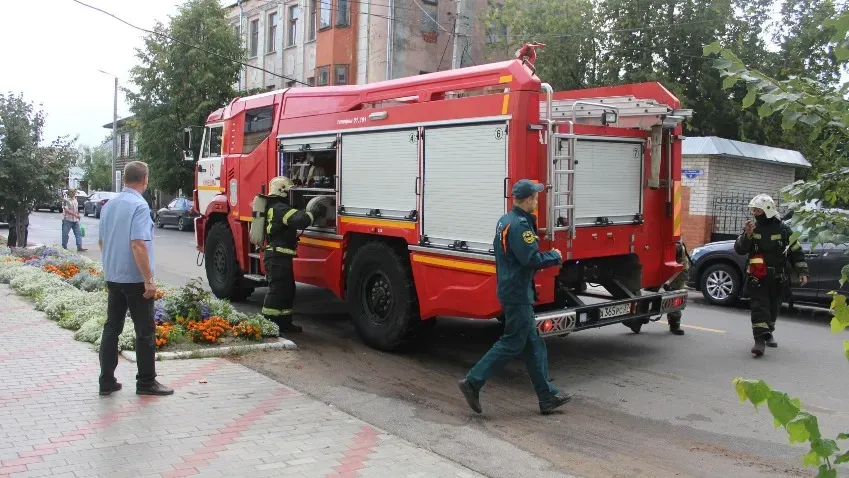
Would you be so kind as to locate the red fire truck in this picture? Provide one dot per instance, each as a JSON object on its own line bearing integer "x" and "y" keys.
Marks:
{"x": 418, "y": 171}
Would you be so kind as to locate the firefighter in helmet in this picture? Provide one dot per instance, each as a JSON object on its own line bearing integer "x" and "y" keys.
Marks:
{"x": 768, "y": 243}
{"x": 276, "y": 225}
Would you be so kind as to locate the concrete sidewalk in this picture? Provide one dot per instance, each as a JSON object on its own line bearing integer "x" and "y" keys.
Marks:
{"x": 223, "y": 420}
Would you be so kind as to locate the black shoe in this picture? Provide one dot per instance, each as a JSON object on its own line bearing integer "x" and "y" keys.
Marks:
{"x": 107, "y": 390}
{"x": 760, "y": 345}
{"x": 290, "y": 328}
{"x": 472, "y": 395}
{"x": 155, "y": 389}
{"x": 770, "y": 341}
{"x": 676, "y": 329}
{"x": 559, "y": 400}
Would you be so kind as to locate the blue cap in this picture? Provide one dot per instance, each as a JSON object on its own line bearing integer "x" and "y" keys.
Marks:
{"x": 525, "y": 188}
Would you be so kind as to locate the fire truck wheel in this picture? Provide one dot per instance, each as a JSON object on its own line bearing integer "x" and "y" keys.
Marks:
{"x": 381, "y": 297}
{"x": 222, "y": 270}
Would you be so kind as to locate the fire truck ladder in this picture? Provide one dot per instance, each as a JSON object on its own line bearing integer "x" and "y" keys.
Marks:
{"x": 562, "y": 162}
{"x": 631, "y": 112}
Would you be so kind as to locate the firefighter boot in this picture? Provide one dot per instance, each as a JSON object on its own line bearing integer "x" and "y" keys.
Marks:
{"x": 760, "y": 346}
{"x": 770, "y": 341}
{"x": 471, "y": 394}
{"x": 676, "y": 329}
{"x": 285, "y": 325}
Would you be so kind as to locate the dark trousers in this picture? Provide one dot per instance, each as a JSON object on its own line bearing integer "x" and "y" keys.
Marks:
{"x": 121, "y": 298}
{"x": 765, "y": 297}
{"x": 280, "y": 297}
{"x": 520, "y": 338}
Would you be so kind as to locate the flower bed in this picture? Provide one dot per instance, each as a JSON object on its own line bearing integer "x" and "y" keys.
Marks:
{"x": 70, "y": 289}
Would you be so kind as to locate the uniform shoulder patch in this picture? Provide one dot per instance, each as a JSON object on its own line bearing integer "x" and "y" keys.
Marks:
{"x": 529, "y": 237}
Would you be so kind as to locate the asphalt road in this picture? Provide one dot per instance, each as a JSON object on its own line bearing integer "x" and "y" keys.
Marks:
{"x": 648, "y": 405}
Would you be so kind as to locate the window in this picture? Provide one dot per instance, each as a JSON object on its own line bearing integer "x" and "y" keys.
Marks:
{"x": 325, "y": 15}
{"x": 292, "y": 35}
{"x": 135, "y": 145}
{"x": 341, "y": 75}
{"x": 212, "y": 142}
{"x": 313, "y": 19}
{"x": 271, "y": 40}
{"x": 257, "y": 126}
{"x": 254, "y": 37}
{"x": 311, "y": 81}
{"x": 342, "y": 13}
{"x": 125, "y": 145}
{"x": 290, "y": 84}
{"x": 173, "y": 204}
{"x": 430, "y": 12}
{"x": 430, "y": 2}
{"x": 323, "y": 75}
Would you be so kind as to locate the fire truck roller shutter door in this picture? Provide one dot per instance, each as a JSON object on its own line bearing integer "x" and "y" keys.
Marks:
{"x": 465, "y": 169}
{"x": 608, "y": 180}
{"x": 379, "y": 171}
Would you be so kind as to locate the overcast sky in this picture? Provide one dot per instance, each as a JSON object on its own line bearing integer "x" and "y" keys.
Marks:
{"x": 52, "y": 56}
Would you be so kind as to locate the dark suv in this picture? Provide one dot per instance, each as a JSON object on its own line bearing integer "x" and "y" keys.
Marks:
{"x": 718, "y": 272}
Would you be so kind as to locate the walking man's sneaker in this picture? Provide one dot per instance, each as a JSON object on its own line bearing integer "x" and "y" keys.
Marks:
{"x": 472, "y": 395}
{"x": 155, "y": 389}
{"x": 770, "y": 341}
{"x": 760, "y": 345}
{"x": 107, "y": 390}
{"x": 558, "y": 401}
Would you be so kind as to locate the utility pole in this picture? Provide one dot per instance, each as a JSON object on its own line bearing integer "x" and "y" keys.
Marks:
{"x": 114, "y": 132}
{"x": 115, "y": 137}
{"x": 461, "y": 33}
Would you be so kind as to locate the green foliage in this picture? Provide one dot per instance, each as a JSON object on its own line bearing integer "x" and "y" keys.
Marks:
{"x": 97, "y": 168}
{"x": 30, "y": 172}
{"x": 178, "y": 86}
{"x": 800, "y": 425}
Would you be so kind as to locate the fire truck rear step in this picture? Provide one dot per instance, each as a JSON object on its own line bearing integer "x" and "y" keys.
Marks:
{"x": 254, "y": 277}
{"x": 588, "y": 316}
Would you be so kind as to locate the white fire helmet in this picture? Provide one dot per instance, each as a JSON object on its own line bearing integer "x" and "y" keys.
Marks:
{"x": 280, "y": 186}
{"x": 764, "y": 203}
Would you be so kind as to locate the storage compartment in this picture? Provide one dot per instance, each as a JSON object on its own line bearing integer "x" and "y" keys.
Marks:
{"x": 311, "y": 164}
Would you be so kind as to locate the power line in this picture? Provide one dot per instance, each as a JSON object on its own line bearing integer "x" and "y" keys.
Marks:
{"x": 609, "y": 32}
{"x": 189, "y": 44}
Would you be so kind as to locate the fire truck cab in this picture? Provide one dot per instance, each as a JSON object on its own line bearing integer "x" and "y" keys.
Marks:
{"x": 417, "y": 171}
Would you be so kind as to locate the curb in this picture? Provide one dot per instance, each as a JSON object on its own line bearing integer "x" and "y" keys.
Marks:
{"x": 282, "y": 344}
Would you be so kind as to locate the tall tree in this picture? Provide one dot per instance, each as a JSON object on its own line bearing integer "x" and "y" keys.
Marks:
{"x": 178, "y": 86}
{"x": 30, "y": 173}
{"x": 570, "y": 58}
{"x": 97, "y": 167}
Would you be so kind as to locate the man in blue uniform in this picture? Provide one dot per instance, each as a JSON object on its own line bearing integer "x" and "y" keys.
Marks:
{"x": 517, "y": 258}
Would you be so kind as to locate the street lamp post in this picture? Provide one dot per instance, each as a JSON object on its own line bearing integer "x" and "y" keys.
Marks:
{"x": 114, "y": 132}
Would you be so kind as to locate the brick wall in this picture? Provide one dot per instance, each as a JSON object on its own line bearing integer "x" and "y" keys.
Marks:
{"x": 748, "y": 177}
{"x": 723, "y": 176}
{"x": 695, "y": 229}
{"x": 700, "y": 202}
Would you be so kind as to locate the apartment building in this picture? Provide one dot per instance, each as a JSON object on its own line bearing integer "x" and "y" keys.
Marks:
{"x": 340, "y": 42}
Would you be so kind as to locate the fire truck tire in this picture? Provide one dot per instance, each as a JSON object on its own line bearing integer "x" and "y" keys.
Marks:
{"x": 222, "y": 268}
{"x": 382, "y": 298}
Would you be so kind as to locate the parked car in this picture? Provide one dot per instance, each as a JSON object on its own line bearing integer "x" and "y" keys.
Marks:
{"x": 96, "y": 201}
{"x": 718, "y": 272}
{"x": 54, "y": 205}
{"x": 177, "y": 213}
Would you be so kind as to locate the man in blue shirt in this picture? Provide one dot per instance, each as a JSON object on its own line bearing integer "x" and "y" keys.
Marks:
{"x": 517, "y": 258}
{"x": 126, "y": 240}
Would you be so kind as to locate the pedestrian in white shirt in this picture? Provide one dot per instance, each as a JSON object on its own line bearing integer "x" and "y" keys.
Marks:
{"x": 71, "y": 220}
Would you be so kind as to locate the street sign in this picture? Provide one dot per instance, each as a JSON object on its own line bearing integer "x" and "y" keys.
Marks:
{"x": 692, "y": 173}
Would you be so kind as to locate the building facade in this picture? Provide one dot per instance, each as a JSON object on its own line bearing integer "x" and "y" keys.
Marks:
{"x": 342, "y": 42}
{"x": 719, "y": 176}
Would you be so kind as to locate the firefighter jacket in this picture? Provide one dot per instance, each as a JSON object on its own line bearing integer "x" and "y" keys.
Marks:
{"x": 282, "y": 223}
{"x": 771, "y": 240}
{"x": 517, "y": 257}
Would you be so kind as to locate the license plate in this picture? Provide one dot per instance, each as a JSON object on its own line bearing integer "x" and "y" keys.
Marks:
{"x": 614, "y": 311}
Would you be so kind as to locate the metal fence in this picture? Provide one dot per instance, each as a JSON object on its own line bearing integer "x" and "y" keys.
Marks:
{"x": 730, "y": 213}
